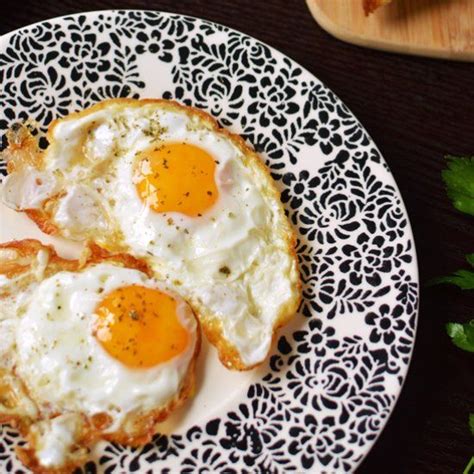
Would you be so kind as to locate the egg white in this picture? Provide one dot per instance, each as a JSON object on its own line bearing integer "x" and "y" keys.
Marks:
{"x": 64, "y": 366}
{"x": 233, "y": 263}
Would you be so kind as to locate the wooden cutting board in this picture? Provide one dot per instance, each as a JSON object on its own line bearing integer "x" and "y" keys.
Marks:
{"x": 437, "y": 28}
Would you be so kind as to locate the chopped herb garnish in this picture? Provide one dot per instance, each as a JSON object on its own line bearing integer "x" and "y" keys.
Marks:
{"x": 225, "y": 270}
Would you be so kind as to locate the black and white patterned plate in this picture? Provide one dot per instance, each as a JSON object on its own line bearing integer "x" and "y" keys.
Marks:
{"x": 335, "y": 373}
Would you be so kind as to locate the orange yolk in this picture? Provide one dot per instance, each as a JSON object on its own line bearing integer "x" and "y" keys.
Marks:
{"x": 176, "y": 177}
{"x": 139, "y": 326}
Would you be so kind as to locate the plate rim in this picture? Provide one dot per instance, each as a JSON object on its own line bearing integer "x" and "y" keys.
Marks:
{"x": 408, "y": 231}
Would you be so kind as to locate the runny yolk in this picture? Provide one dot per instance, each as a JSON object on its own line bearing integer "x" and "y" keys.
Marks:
{"x": 139, "y": 326}
{"x": 176, "y": 177}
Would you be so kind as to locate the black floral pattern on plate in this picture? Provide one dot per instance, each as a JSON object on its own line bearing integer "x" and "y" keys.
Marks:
{"x": 329, "y": 385}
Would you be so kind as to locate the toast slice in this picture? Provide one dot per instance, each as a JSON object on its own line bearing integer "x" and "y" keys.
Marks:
{"x": 371, "y": 5}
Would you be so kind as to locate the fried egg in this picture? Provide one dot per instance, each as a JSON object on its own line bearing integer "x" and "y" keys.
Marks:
{"x": 163, "y": 182}
{"x": 89, "y": 350}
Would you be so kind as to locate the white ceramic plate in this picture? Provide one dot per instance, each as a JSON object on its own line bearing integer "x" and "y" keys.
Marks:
{"x": 336, "y": 371}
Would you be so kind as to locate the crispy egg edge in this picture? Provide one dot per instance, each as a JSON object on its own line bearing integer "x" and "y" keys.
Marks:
{"x": 140, "y": 430}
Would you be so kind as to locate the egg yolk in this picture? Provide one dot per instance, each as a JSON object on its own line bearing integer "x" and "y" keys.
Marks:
{"x": 176, "y": 177}
{"x": 139, "y": 326}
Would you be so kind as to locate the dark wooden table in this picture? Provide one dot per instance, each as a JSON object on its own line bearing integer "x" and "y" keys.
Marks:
{"x": 416, "y": 110}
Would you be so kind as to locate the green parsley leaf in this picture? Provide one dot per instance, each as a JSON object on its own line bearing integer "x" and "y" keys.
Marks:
{"x": 470, "y": 259}
{"x": 464, "y": 279}
{"x": 470, "y": 467}
{"x": 459, "y": 180}
{"x": 471, "y": 422}
{"x": 462, "y": 335}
